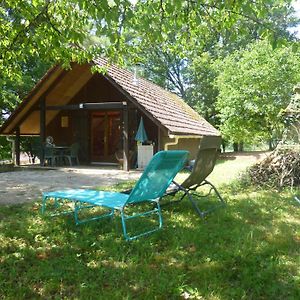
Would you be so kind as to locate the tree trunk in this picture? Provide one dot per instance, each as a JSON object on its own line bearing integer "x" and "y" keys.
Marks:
{"x": 235, "y": 147}
{"x": 238, "y": 147}
{"x": 223, "y": 145}
{"x": 241, "y": 146}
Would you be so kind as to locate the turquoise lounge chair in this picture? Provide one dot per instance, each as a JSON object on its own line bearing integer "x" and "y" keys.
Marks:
{"x": 151, "y": 186}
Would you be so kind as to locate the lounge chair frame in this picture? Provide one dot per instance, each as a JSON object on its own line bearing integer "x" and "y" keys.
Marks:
{"x": 150, "y": 188}
{"x": 191, "y": 194}
{"x": 79, "y": 205}
{"x": 203, "y": 166}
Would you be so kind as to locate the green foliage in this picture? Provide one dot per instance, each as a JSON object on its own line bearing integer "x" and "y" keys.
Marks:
{"x": 41, "y": 33}
{"x": 186, "y": 68}
{"x": 57, "y": 30}
{"x": 5, "y": 149}
{"x": 201, "y": 93}
{"x": 15, "y": 88}
{"x": 254, "y": 85}
{"x": 31, "y": 146}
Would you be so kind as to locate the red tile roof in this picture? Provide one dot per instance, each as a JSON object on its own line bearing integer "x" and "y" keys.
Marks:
{"x": 166, "y": 107}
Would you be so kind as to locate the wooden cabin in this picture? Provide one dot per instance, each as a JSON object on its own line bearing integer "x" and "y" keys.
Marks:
{"x": 101, "y": 111}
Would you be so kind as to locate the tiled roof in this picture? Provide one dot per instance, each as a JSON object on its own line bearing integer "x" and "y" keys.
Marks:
{"x": 169, "y": 109}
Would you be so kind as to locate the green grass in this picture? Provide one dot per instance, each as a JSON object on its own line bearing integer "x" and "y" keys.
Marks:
{"x": 249, "y": 250}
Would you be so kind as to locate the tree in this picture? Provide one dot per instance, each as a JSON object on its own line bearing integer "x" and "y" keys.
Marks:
{"x": 57, "y": 29}
{"x": 14, "y": 89}
{"x": 254, "y": 85}
{"x": 201, "y": 93}
{"x": 5, "y": 151}
{"x": 188, "y": 71}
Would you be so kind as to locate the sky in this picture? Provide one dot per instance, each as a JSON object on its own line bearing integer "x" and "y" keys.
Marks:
{"x": 296, "y": 5}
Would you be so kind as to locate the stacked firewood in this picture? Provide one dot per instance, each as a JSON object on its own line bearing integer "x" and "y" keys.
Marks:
{"x": 280, "y": 169}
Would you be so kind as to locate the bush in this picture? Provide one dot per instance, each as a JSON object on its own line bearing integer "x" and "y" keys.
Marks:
{"x": 5, "y": 148}
{"x": 31, "y": 146}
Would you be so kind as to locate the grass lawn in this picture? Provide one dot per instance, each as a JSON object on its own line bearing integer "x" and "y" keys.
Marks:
{"x": 249, "y": 250}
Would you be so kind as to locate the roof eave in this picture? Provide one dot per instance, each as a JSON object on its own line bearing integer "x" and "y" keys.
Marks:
{"x": 192, "y": 135}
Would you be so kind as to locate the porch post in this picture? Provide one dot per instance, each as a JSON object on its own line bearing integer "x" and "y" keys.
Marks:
{"x": 42, "y": 129}
{"x": 17, "y": 146}
{"x": 125, "y": 138}
{"x": 158, "y": 139}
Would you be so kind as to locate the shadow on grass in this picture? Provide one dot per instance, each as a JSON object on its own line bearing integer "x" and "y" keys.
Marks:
{"x": 248, "y": 250}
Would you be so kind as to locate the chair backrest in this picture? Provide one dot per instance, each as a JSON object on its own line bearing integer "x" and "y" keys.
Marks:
{"x": 74, "y": 149}
{"x": 48, "y": 150}
{"x": 158, "y": 175}
{"x": 205, "y": 160}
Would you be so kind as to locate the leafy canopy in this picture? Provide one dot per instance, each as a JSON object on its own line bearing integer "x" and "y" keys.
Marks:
{"x": 50, "y": 29}
{"x": 187, "y": 68}
{"x": 38, "y": 33}
{"x": 254, "y": 86}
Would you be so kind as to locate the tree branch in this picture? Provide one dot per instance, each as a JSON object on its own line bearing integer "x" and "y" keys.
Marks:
{"x": 32, "y": 23}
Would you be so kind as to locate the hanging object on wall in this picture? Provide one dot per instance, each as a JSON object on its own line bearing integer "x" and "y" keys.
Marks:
{"x": 64, "y": 121}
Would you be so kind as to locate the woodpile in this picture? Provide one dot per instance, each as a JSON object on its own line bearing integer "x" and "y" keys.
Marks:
{"x": 280, "y": 169}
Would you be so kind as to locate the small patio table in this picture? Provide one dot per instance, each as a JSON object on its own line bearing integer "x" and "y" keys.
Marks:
{"x": 60, "y": 152}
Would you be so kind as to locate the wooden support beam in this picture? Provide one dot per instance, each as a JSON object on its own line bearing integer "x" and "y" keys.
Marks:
{"x": 104, "y": 105}
{"x": 17, "y": 146}
{"x": 125, "y": 138}
{"x": 63, "y": 107}
{"x": 159, "y": 141}
{"x": 42, "y": 128}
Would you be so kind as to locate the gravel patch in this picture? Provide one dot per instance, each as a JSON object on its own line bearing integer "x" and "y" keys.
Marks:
{"x": 27, "y": 185}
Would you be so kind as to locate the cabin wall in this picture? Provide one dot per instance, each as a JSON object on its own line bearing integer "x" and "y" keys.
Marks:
{"x": 61, "y": 135}
{"x": 189, "y": 144}
{"x": 97, "y": 90}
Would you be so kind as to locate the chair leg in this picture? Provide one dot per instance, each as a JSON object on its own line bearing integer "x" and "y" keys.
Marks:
{"x": 216, "y": 191}
{"x": 78, "y": 207}
{"x": 124, "y": 218}
{"x": 53, "y": 161}
{"x": 197, "y": 209}
{"x": 44, "y": 204}
{"x": 70, "y": 161}
{"x": 172, "y": 193}
{"x": 203, "y": 213}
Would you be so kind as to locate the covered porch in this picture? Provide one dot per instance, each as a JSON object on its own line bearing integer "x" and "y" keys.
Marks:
{"x": 86, "y": 109}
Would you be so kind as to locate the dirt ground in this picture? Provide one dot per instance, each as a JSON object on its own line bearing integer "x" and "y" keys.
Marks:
{"x": 28, "y": 184}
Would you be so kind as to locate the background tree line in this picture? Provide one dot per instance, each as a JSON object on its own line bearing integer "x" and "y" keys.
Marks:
{"x": 233, "y": 61}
